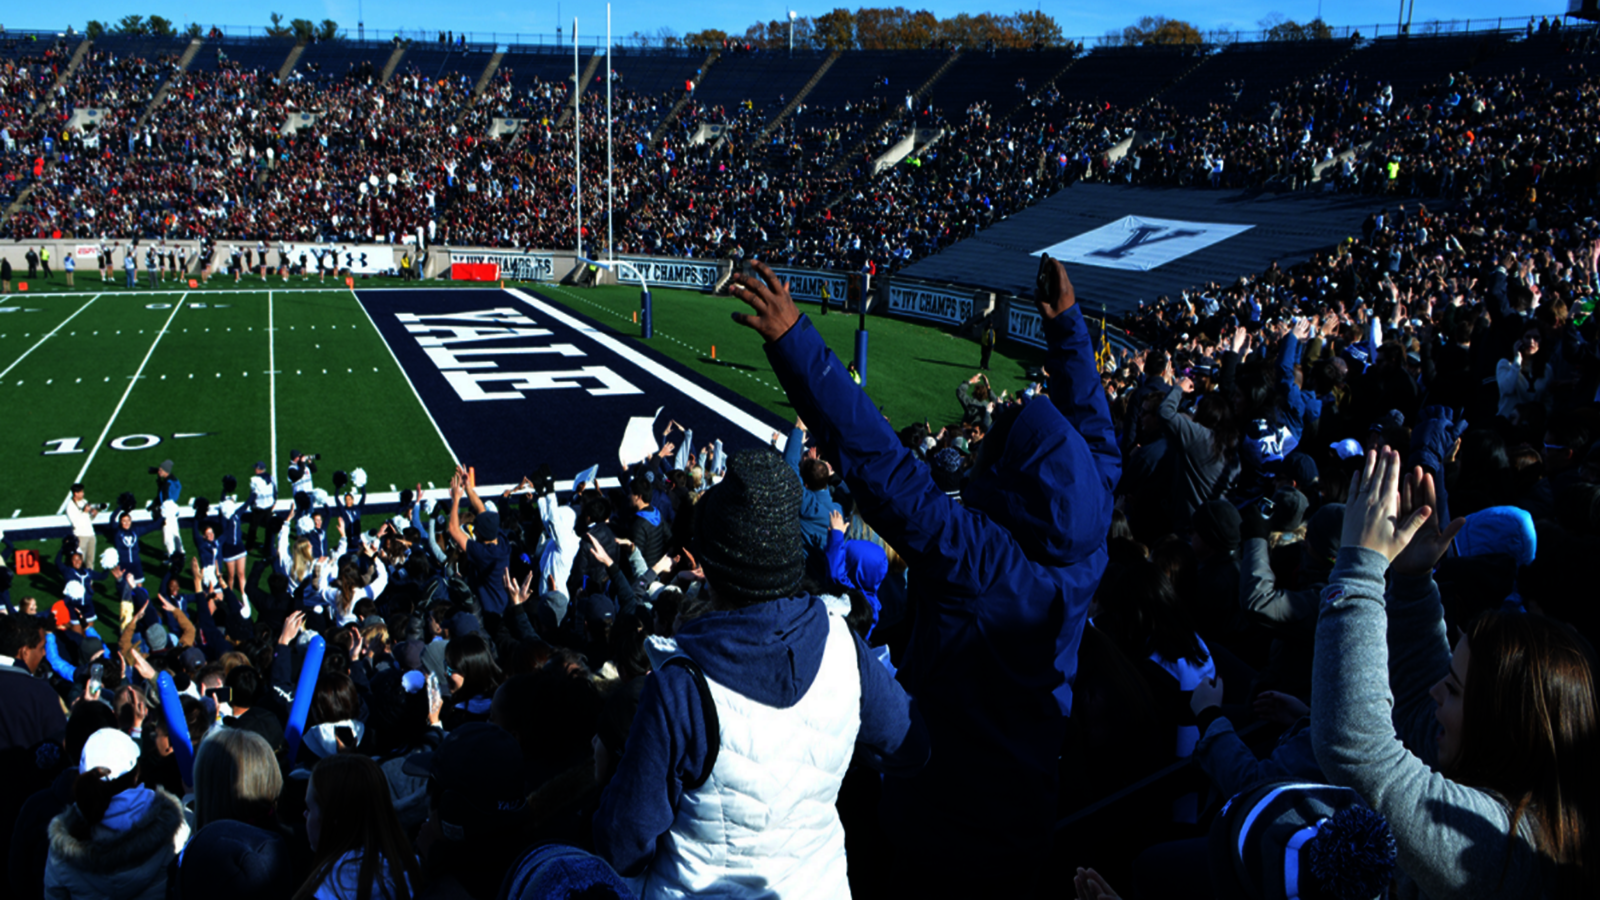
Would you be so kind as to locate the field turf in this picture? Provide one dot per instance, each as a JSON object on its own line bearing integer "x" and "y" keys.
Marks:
{"x": 101, "y": 383}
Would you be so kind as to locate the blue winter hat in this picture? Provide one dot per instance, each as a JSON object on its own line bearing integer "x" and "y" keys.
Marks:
{"x": 1282, "y": 839}
{"x": 1499, "y": 529}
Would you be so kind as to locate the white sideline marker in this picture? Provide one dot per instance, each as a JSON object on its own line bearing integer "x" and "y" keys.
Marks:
{"x": 689, "y": 389}
{"x": 404, "y": 374}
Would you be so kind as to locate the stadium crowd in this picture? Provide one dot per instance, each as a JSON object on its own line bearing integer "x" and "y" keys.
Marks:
{"x": 1327, "y": 539}
{"x": 215, "y": 159}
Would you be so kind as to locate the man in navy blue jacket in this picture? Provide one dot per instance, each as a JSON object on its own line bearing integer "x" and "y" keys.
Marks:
{"x": 1000, "y": 582}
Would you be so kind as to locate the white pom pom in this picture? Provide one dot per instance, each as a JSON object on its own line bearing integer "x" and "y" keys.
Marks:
{"x": 399, "y": 523}
{"x": 321, "y": 497}
{"x": 358, "y": 478}
{"x": 73, "y": 591}
{"x": 304, "y": 524}
{"x": 108, "y": 558}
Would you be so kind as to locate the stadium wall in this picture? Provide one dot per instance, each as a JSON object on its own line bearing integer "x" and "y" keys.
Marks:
{"x": 360, "y": 259}
{"x": 898, "y": 296}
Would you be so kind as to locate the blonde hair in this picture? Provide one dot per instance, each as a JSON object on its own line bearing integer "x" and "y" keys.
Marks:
{"x": 302, "y": 560}
{"x": 376, "y": 637}
{"x": 236, "y": 776}
{"x": 232, "y": 660}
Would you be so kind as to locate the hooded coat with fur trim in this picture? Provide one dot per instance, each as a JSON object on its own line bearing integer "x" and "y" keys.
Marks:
{"x": 132, "y": 864}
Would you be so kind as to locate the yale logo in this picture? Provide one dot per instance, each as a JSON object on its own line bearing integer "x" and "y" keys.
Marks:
{"x": 1139, "y": 244}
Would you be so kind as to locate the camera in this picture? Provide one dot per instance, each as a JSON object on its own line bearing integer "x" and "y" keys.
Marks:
{"x": 154, "y": 471}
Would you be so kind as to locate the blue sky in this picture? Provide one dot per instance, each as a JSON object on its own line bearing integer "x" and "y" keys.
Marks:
{"x": 734, "y": 15}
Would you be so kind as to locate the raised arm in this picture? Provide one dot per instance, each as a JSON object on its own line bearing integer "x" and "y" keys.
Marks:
{"x": 1075, "y": 386}
{"x": 1452, "y": 839}
{"x": 896, "y": 492}
{"x": 458, "y": 536}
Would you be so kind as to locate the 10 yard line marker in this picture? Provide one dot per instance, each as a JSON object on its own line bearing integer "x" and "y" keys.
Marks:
{"x": 49, "y": 336}
{"x": 176, "y": 308}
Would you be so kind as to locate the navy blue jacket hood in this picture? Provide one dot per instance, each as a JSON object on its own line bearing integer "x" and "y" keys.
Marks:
{"x": 1046, "y": 523}
{"x": 769, "y": 652}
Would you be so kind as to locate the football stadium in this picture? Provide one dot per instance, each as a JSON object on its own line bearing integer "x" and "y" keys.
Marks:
{"x": 875, "y": 453}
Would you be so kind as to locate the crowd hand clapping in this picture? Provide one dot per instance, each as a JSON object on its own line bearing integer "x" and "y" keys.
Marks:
{"x": 1377, "y": 519}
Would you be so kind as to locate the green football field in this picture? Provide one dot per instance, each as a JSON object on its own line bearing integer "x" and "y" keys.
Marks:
{"x": 101, "y": 383}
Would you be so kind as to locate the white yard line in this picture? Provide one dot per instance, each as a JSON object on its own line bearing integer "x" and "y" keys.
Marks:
{"x": 272, "y": 387}
{"x": 407, "y": 376}
{"x": 49, "y": 336}
{"x": 93, "y": 451}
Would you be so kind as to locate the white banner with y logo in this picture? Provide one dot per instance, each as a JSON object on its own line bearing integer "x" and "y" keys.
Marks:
{"x": 1139, "y": 244}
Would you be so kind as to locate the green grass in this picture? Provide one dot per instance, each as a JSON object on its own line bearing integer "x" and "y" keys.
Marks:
{"x": 337, "y": 390}
{"x": 912, "y": 372}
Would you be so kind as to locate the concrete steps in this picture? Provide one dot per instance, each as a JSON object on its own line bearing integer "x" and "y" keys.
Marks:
{"x": 578, "y": 89}
{"x": 683, "y": 101}
{"x": 188, "y": 56}
{"x": 800, "y": 96}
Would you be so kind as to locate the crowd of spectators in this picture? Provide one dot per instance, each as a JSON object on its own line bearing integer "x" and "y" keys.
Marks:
{"x": 381, "y": 160}
{"x": 1328, "y": 539}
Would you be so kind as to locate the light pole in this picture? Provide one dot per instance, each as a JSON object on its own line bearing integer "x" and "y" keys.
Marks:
{"x": 792, "y": 15}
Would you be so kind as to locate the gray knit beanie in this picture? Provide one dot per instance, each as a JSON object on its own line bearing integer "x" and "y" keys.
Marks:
{"x": 747, "y": 530}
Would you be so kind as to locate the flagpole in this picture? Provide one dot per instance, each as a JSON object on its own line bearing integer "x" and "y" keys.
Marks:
{"x": 610, "y": 245}
{"x": 577, "y": 134}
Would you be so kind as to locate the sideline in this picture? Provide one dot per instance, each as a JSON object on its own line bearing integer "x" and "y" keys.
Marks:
{"x": 761, "y": 431}
{"x": 407, "y": 376}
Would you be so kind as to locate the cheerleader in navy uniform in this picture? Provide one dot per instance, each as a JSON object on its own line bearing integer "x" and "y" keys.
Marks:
{"x": 231, "y": 536}
{"x": 351, "y": 508}
{"x": 206, "y": 548}
{"x": 125, "y": 540}
{"x": 74, "y": 569}
{"x": 80, "y": 607}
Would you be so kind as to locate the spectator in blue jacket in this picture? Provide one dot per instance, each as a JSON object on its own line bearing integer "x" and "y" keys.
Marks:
{"x": 816, "y": 502}
{"x": 1000, "y": 585}
{"x": 730, "y": 773}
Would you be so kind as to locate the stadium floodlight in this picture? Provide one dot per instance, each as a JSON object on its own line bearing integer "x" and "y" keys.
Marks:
{"x": 792, "y": 16}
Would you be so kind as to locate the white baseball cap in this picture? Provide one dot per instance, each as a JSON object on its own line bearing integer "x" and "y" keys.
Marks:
{"x": 111, "y": 750}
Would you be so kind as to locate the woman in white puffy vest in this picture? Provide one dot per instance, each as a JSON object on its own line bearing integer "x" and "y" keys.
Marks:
{"x": 751, "y": 726}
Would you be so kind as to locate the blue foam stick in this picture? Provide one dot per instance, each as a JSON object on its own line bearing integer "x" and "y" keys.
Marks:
{"x": 177, "y": 726}
{"x": 303, "y": 692}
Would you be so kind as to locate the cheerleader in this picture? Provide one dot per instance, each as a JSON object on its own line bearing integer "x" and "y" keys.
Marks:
{"x": 125, "y": 541}
{"x": 206, "y": 552}
{"x": 351, "y": 507}
{"x": 231, "y": 537}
